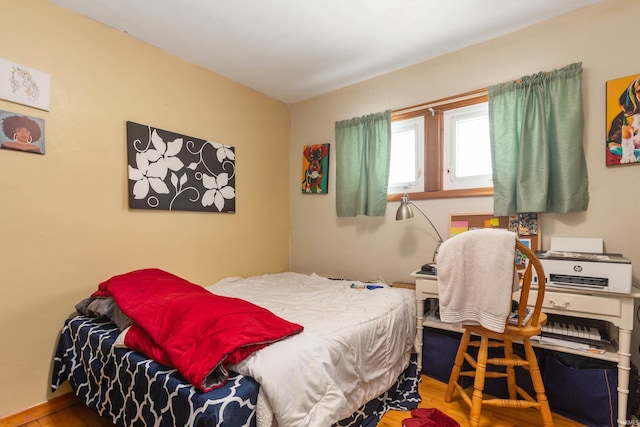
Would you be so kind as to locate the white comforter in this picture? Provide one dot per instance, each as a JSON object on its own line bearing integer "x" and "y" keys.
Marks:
{"x": 355, "y": 344}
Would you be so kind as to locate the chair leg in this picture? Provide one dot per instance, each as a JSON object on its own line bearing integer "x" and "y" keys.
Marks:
{"x": 511, "y": 372}
{"x": 538, "y": 385}
{"x": 478, "y": 384}
{"x": 457, "y": 366}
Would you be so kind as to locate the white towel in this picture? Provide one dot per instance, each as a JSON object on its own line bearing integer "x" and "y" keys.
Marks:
{"x": 476, "y": 278}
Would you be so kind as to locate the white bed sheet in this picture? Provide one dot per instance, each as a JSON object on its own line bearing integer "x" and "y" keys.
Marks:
{"x": 355, "y": 344}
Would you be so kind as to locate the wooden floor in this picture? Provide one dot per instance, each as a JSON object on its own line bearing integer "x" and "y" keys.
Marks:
{"x": 75, "y": 416}
{"x": 431, "y": 391}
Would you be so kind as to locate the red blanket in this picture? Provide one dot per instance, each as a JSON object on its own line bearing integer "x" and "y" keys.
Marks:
{"x": 185, "y": 326}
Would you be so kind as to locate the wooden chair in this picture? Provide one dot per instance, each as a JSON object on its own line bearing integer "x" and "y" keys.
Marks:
{"x": 518, "y": 397}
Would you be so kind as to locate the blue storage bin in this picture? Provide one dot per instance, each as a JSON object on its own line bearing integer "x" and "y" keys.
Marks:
{"x": 439, "y": 350}
{"x": 584, "y": 392}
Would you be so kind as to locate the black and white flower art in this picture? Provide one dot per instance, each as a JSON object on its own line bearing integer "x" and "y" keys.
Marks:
{"x": 170, "y": 171}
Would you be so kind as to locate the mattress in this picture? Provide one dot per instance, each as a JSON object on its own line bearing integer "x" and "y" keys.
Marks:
{"x": 356, "y": 341}
{"x": 369, "y": 372}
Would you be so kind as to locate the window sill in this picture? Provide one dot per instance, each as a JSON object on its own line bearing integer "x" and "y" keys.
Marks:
{"x": 444, "y": 194}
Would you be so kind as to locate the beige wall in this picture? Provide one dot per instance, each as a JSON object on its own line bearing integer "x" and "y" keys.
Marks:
{"x": 365, "y": 248}
{"x": 64, "y": 221}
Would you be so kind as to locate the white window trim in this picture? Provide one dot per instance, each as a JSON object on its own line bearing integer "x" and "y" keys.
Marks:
{"x": 450, "y": 181}
{"x": 417, "y": 123}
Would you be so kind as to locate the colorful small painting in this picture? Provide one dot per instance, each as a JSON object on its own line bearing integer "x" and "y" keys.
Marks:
{"x": 623, "y": 121}
{"x": 22, "y": 133}
{"x": 24, "y": 85}
{"x": 315, "y": 169}
{"x": 524, "y": 224}
{"x": 171, "y": 171}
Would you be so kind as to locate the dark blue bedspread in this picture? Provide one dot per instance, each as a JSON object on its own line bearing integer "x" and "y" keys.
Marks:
{"x": 132, "y": 390}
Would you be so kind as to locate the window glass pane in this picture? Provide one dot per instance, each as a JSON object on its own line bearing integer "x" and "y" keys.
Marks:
{"x": 405, "y": 169}
{"x": 473, "y": 152}
{"x": 403, "y": 157}
{"x": 467, "y": 151}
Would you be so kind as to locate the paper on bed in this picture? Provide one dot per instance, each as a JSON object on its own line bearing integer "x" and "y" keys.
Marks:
{"x": 354, "y": 345}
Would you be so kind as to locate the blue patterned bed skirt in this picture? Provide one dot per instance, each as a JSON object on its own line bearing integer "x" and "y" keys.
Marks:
{"x": 132, "y": 390}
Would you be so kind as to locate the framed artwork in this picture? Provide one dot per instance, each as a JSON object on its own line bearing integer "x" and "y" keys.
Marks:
{"x": 524, "y": 224}
{"x": 315, "y": 169}
{"x": 22, "y": 133}
{"x": 520, "y": 256}
{"x": 24, "y": 85}
{"x": 171, "y": 171}
{"x": 623, "y": 121}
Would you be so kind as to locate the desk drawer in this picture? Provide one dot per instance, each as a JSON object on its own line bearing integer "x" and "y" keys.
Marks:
{"x": 568, "y": 303}
{"x": 427, "y": 288}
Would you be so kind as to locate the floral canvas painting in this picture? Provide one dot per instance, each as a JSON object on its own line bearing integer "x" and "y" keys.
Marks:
{"x": 170, "y": 171}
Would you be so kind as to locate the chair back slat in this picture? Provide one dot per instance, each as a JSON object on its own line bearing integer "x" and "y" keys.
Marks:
{"x": 533, "y": 265}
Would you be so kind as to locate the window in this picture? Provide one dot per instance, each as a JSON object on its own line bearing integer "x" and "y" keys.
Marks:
{"x": 442, "y": 149}
{"x": 407, "y": 158}
{"x": 467, "y": 152}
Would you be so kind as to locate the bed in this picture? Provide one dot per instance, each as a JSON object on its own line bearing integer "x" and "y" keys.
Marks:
{"x": 351, "y": 363}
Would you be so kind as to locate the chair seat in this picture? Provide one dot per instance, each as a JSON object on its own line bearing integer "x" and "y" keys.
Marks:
{"x": 515, "y": 333}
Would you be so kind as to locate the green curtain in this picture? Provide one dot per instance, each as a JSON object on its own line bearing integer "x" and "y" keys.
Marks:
{"x": 363, "y": 150}
{"x": 536, "y": 129}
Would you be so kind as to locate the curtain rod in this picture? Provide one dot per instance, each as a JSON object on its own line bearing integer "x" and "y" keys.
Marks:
{"x": 441, "y": 101}
{"x": 460, "y": 97}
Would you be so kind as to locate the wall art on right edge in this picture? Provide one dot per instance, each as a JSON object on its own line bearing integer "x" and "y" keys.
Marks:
{"x": 315, "y": 169}
{"x": 623, "y": 121}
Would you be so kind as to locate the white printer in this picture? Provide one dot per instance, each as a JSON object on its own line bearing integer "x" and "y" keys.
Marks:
{"x": 579, "y": 263}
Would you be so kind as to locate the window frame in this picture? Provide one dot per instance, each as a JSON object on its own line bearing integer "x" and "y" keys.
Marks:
{"x": 451, "y": 118}
{"x": 419, "y": 151}
{"x": 434, "y": 146}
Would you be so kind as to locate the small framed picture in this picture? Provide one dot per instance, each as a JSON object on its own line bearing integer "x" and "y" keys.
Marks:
{"x": 520, "y": 258}
{"x": 22, "y": 133}
{"x": 315, "y": 169}
{"x": 24, "y": 85}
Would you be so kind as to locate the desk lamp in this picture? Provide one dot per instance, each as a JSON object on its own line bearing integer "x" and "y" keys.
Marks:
{"x": 405, "y": 212}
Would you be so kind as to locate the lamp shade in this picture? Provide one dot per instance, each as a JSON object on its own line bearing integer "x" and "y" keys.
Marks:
{"x": 404, "y": 212}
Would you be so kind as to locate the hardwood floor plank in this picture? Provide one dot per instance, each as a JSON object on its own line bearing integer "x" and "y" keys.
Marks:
{"x": 22, "y": 418}
{"x": 46, "y": 421}
{"x": 71, "y": 418}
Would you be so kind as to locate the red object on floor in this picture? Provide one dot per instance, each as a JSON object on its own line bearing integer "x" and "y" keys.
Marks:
{"x": 429, "y": 417}
{"x": 418, "y": 422}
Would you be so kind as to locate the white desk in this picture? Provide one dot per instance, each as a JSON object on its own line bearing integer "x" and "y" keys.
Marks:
{"x": 611, "y": 307}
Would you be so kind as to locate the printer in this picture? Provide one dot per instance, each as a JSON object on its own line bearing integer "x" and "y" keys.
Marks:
{"x": 579, "y": 263}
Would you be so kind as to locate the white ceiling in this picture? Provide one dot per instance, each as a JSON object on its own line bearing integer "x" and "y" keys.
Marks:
{"x": 292, "y": 50}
